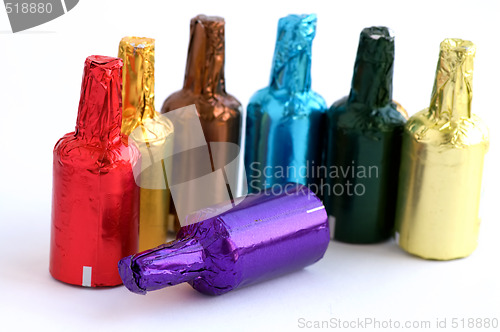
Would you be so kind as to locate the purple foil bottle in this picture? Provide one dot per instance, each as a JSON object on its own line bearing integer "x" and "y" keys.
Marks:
{"x": 265, "y": 235}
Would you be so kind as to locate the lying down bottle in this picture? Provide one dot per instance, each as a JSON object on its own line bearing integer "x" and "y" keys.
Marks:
{"x": 265, "y": 235}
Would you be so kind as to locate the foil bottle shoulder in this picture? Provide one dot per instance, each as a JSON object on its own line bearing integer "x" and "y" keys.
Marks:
{"x": 424, "y": 128}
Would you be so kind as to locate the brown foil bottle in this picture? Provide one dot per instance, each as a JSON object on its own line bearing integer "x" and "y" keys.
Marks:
{"x": 204, "y": 86}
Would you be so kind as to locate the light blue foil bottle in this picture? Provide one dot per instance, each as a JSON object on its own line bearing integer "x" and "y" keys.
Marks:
{"x": 286, "y": 120}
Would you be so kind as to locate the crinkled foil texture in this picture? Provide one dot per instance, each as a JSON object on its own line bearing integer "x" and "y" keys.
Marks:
{"x": 442, "y": 163}
{"x": 204, "y": 83}
{"x": 293, "y": 52}
{"x": 264, "y": 236}
{"x": 152, "y": 133}
{"x": 204, "y": 86}
{"x": 95, "y": 206}
{"x": 138, "y": 56}
{"x": 365, "y": 130}
{"x": 286, "y": 120}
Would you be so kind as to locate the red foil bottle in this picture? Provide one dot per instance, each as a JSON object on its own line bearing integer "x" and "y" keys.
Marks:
{"x": 95, "y": 200}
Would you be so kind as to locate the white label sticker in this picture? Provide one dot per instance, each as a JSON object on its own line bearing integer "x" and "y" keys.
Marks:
{"x": 87, "y": 276}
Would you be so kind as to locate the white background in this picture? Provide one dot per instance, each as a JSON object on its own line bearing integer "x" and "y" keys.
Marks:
{"x": 40, "y": 77}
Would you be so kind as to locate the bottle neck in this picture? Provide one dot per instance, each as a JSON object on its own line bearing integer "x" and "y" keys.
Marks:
{"x": 452, "y": 92}
{"x": 373, "y": 70}
{"x": 138, "y": 55}
{"x": 205, "y": 60}
{"x": 100, "y": 108}
{"x": 291, "y": 68}
{"x": 170, "y": 264}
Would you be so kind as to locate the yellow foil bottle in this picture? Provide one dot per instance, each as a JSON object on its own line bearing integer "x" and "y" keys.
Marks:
{"x": 443, "y": 149}
{"x": 144, "y": 125}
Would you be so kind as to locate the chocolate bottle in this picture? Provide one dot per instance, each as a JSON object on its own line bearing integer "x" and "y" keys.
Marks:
{"x": 264, "y": 236}
{"x": 95, "y": 199}
{"x": 442, "y": 164}
{"x": 204, "y": 86}
{"x": 151, "y": 131}
{"x": 364, "y": 143}
{"x": 286, "y": 120}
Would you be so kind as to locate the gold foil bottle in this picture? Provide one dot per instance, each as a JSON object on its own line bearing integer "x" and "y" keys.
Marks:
{"x": 143, "y": 124}
{"x": 441, "y": 164}
{"x": 204, "y": 86}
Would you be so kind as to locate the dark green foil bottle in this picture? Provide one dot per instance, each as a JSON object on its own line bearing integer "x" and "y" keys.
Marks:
{"x": 364, "y": 142}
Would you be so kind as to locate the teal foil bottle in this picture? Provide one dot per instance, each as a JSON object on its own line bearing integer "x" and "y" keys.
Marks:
{"x": 363, "y": 149}
{"x": 286, "y": 120}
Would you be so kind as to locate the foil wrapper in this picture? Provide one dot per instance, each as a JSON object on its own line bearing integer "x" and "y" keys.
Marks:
{"x": 364, "y": 144}
{"x": 286, "y": 120}
{"x": 442, "y": 163}
{"x": 265, "y": 235}
{"x": 151, "y": 132}
{"x": 95, "y": 201}
{"x": 204, "y": 86}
